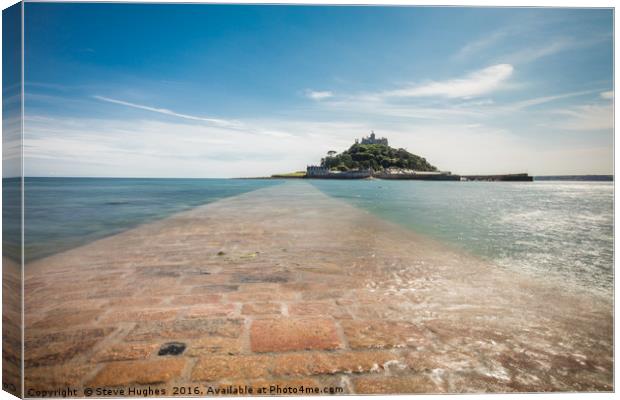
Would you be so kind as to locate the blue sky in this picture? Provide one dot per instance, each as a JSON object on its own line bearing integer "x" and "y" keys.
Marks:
{"x": 221, "y": 91}
{"x": 11, "y": 93}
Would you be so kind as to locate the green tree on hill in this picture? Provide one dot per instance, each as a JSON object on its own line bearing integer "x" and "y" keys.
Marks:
{"x": 375, "y": 156}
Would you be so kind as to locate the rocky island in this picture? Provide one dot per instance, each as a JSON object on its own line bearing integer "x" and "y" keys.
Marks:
{"x": 372, "y": 157}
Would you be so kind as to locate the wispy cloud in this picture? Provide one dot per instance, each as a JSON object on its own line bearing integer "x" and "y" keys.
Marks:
{"x": 458, "y": 98}
{"x": 607, "y": 95}
{"x": 65, "y": 146}
{"x": 461, "y": 100}
{"x": 215, "y": 121}
{"x": 318, "y": 95}
{"x": 587, "y": 117}
{"x": 476, "y": 46}
{"x": 474, "y": 84}
{"x": 546, "y": 99}
{"x": 518, "y": 38}
{"x": 365, "y": 107}
{"x": 533, "y": 53}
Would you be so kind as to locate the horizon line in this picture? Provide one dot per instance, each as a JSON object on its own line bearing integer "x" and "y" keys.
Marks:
{"x": 251, "y": 177}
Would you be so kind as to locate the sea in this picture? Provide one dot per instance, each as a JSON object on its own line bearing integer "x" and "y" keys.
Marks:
{"x": 553, "y": 229}
{"x": 559, "y": 229}
{"x": 63, "y": 213}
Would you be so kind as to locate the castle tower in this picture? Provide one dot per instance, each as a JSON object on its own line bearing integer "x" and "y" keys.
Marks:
{"x": 372, "y": 139}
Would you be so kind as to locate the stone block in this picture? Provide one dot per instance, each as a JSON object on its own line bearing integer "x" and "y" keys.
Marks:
{"x": 216, "y": 368}
{"x": 318, "y": 363}
{"x": 125, "y": 352}
{"x": 148, "y": 372}
{"x": 186, "y": 329}
{"x": 214, "y": 345}
{"x": 287, "y": 334}
{"x": 139, "y": 315}
{"x": 381, "y": 334}
{"x": 395, "y": 385}
{"x": 211, "y": 311}
{"x": 193, "y": 299}
{"x": 260, "y": 308}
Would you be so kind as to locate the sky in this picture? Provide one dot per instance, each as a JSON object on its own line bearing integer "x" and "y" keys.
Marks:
{"x": 11, "y": 91}
{"x": 177, "y": 90}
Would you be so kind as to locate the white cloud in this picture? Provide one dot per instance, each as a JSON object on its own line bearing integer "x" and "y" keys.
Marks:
{"x": 588, "y": 117}
{"x": 148, "y": 148}
{"x": 499, "y": 151}
{"x": 432, "y": 100}
{"x": 141, "y": 148}
{"x": 364, "y": 107}
{"x": 476, "y": 46}
{"x": 477, "y": 83}
{"x": 533, "y": 53}
{"x": 607, "y": 95}
{"x": 215, "y": 121}
{"x": 459, "y": 110}
{"x": 546, "y": 99}
{"x": 494, "y": 43}
{"x": 319, "y": 95}
{"x": 230, "y": 124}
{"x": 11, "y": 143}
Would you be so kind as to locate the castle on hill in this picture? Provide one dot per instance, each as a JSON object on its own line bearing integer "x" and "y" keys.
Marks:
{"x": 373, "y": 140}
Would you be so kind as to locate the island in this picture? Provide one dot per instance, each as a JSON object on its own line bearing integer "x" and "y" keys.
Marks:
{"x": 372, "y": 157}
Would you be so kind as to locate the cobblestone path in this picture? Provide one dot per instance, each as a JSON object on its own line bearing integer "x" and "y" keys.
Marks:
{"x": 286, "y": 286}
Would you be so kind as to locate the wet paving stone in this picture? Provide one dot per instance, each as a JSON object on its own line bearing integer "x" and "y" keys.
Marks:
{"x": 214, "y": 345}
{"x": 288, "y": 334}
{"x": 231, "y": 367}
{"x": 139, "y": 315}
{"x": 138, "y": 372}
{"x": 66, "y": 318}
{"x": 260, "y": 308}
{"x": 206, "y": 311}
{"x": 317, "y": 308}
{"x": 383, "y": 334}
{"x": 195, "y": 299}
{"x": 348, "y": 362}
{"x": 262, "y": 278}
{"x": 57, "y": 348}
{"x": 396, "y": 385}
{"x": 188, "y": 328}
{"x": 53, "y": 377}
{"x": 125, "y": 352}
{"x": 208, "y": 289}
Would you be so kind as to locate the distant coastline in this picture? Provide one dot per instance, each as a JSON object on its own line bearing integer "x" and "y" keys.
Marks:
{"x": 568, "y": 178}
{"x": 593, "y": 178}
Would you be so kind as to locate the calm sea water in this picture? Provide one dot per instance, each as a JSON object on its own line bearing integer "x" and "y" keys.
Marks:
{"x": 63, "y": 213}
{"x": 560, "y": 229}
{"x": 555, "y": 229}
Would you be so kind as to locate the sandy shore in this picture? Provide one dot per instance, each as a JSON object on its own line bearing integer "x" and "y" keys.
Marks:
{"x": 287, "y": 286}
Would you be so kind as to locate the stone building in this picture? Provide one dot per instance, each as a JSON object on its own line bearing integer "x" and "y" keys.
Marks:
{"x": 374, "y": 140}
{"x": 315, "y": 170}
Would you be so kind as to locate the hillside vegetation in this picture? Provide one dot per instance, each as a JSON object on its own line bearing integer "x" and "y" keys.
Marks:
{"x": 296, "y": 174}
{"x": 377, "y": 157}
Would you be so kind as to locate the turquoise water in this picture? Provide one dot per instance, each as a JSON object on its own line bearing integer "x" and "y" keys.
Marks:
{"x": 559, "y": 229}
{"x": 62, "y": 213}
